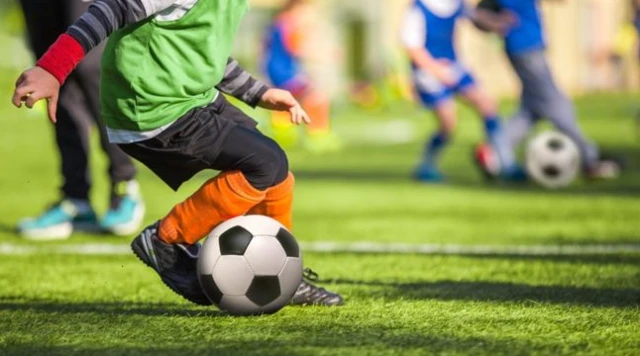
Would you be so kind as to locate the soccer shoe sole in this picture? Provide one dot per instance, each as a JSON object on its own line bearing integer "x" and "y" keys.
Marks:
{"x": 141, "y": 247}
{"x": 51, "y": 233}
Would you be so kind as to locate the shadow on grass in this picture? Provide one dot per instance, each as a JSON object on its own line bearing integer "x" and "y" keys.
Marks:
{"x": 8, "y": 229}
{"x": 631, "y": 258}
{"x": 500, "y": 292}
{"x": 602, "y": 259}
{"x": 466, "y": 176}
{"x": 109, "y": 308}
{"x": 628, "y": 187}
{"x": 303, "y": 341}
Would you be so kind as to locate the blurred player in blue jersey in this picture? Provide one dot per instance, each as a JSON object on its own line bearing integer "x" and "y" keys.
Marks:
{"x": 525, "y": 45}
{"x": 428, "y": 36}
{"x": 283, "y": 66}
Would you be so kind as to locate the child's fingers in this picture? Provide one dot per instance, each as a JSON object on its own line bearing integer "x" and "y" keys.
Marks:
{"x": 296, "y": 115}
{"x": 52, "y": 108}
{"x": 19, "y": 94}
{"x": 21, "y": 79}
{"x": 305, "y": 117}
{"x": 32, "y": 99}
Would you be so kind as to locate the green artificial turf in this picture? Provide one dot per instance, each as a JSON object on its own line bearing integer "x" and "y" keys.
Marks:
{"x": 493, "y": 303}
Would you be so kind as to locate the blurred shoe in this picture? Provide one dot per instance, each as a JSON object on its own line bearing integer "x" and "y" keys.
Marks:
{"x": 323, "y": 142}
{"x": 515, "y": 174}
{"x": 428, "y": 173}
{"x": 605, "y": 169}
{"x": 487, "y": 161}
{"x": 59, "y": 221}
{"x": 489, "y": 164}
{"x": 176, "y": 264}
{"x": 126, "y": 212}
{"x": 309, "y": 294}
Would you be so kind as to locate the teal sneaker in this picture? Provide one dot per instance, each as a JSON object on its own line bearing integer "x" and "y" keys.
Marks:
{"x": 59, "y": 221}
{"x": 428, "y": 173}
{"x": 126, "y": 213}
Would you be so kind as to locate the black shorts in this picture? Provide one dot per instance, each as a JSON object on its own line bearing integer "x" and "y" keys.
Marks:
{"x": 192, "y": 143}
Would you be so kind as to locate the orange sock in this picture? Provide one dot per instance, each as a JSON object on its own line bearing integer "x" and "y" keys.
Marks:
{"x": 278, "y": 202}
{"x": 319, "y": 110}
{"x": 224, "y": 197}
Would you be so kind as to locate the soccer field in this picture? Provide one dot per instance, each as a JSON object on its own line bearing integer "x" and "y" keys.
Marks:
{"x": 460, "y": 268}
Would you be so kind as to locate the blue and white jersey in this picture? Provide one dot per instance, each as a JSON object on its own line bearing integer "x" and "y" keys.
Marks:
{"x": 528, "y": 34}
{"x": 431, "y": 24}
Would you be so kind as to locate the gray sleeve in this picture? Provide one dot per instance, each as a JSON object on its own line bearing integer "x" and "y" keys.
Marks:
{"x": 241, "y": 85}
{"x": 104, "y": 17}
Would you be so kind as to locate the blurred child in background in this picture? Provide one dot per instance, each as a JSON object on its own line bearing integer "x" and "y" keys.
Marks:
{"x": 541, "y": 97}
{"x": 283, "y": 57}
{"x": 427, "y": 34}
{"x": 79, "y": 110}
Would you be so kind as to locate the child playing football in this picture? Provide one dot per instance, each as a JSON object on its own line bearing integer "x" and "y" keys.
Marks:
{"x": 541, "y": 98}
{"x": 164, "y": 68}
{"x": 428, "y": 37}
{"x": 283, "y": 67}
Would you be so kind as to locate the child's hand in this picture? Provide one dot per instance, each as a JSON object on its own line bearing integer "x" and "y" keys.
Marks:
{"x": 506, "y": 20}
{"x": 446, "y": 72}
{"x": 34, "y": 85}
{"x": 282, "y": 100}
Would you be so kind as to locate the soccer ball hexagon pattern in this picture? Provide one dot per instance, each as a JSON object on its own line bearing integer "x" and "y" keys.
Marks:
{"x": 250, "y": 265}
{"x": 553, "y": 159}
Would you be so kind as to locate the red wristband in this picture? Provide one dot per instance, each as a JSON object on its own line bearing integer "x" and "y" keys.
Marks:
{"x": 62, "y": 57}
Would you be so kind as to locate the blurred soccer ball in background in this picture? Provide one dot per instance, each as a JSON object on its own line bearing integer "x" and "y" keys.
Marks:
{"x": 552, "y": 159}
{"x": 250, "y": 265}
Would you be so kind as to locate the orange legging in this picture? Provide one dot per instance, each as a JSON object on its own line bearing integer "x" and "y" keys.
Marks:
{"x": 226, "y": 196}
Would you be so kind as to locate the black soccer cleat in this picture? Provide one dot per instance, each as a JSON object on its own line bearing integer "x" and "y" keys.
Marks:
{"x": 176, "y": 264}
{"x": 309, "y": 294}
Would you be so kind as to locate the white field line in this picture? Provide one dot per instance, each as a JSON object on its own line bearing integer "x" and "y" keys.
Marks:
{"x": 359, "y": 247}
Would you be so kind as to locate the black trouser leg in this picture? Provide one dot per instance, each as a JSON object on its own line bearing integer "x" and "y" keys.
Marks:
{"x": 72, "y": 137}
{"x": 79, "y": 99}
{"x": 121, "y": 167}
{"x": 46, "y": 20}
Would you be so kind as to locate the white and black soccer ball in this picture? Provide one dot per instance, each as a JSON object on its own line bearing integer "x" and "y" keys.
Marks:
{"x": 250, "y": 265}
{"x": 553, "y": 159}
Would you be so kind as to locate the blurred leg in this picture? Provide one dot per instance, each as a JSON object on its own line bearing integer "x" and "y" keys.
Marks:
{"x": 519, "y": 126}
{"x": 445, "y": 112}
{"x": 72, "y": 136}
{"x": 496, "y": 136}
{"x": 542, "y": 96}
{"x": 319, "y": 109}
{"x": 320, "y": 137}
{"x": 46, "y": 20}
{"x": 562, "y": 114}
{"x": 121, "y": 167}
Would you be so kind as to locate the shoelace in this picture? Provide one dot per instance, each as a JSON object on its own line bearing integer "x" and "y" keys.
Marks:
{"x": 310, "y": 275}
{"x": 147, "y": 233}
{"x": 311, "y": 291}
